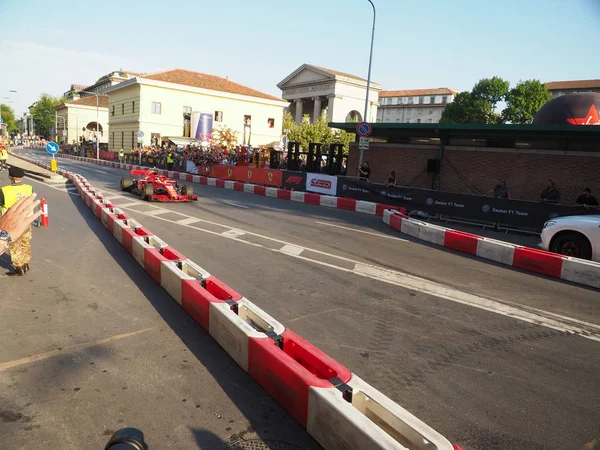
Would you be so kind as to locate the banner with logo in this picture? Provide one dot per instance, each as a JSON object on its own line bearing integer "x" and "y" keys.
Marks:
{"x": 323, "y": 184}
{"x": 510, "y": 213}
{"x": 269, "y": 177}
{"x": 294, "y": 181}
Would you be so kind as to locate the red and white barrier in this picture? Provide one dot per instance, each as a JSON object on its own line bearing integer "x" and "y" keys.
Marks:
{"x": 336, "y": 407}
{"x": 531, "y": 259}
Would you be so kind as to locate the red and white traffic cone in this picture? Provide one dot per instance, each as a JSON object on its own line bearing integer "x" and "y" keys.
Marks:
{"x": 44, "y": 206}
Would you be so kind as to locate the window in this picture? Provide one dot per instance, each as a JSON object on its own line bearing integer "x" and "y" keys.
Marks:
{"x": 218, "y": 116}
{"x": 122, "y": 139}
{"x": 123, "y": 108}
{"x": 418, "y": 120}
{"x": 407, "y": 120}
{"x": 410, "y": 100}
{"x": 113, "y": 111}
{"x": 271, "y": 123}
{"x": 187, "y": 109}
{"x": 421, "y": 100}
{"x": 133, "y": 106}
{"x": 156, "y": 108}
{"x": 113, "y": 140}
{"x": 430, "y": 110}
{"x": 133, "y": 139}
{"x": 444, "y": 99}
{"x": 429, "y": 120}
{"x": 247, "y": 120}
{"x": 431, "y": 99}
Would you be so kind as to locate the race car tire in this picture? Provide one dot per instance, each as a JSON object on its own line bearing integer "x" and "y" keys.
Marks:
{"x": 571, "y": 243}
{"x": 126, "y": 183}
{"x": 147, "y": 191}
{"x": 187, "y": 190}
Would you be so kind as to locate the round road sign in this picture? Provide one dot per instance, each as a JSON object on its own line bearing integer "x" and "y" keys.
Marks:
{"x": 140, "y": 133}
{"x": 364, "y": 129}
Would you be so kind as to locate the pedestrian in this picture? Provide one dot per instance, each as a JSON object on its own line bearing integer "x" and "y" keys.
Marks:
{"x": 391, "y": 179}
{"x": 364, "y": 171}
{"x": 20, "y": 249}
{"x": 121, "y": 155}
{"x": 587, "y": 199}
{"x": 170, "y": 160}
{"x": 501, "y": 190}
{"x": 550, "y": 194}
{"x": 17, "y": 220}
{"x": 3, "y": 159}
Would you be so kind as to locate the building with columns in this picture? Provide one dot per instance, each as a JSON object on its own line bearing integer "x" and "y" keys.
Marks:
{"x": 414, "y": 106}
{"x": 312, "y": 90}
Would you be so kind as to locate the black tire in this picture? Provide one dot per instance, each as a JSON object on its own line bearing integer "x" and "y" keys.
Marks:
{"x": 147, "y": 191}
{"x": 571, "y": 243}
{"x": 126, "y": 183}
{"x": 187, "y": 190}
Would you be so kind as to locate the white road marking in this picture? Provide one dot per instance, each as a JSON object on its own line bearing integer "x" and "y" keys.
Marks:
{"x": 187, "y": 221}
{"x": 155, "y": 211}
{"x": 518, "y": 312}
{"x": 127, "y": 205}
{"x": 292, "y": 250}
{"x": 234, "y": 204}
{"x": 233, "y": 233}
{"x": 362, "y": 231}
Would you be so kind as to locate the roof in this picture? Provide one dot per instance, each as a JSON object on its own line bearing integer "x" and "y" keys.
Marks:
{"x": 418, "y": 92}
{"x": 87, "y": 101}
{"x": 574, "y": 84}
{"x": 205, "y": 81}
{"x": 340, "y": 74}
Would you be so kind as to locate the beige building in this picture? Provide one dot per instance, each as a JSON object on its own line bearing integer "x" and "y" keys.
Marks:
{"x": 558, "y": 88}
{"x": 100, "y": 85}
{"x": 414, "y": 106}
{"x": 79, "y": 117}
{"x": 166, "y": 106}
{"x": 312, "y": 90}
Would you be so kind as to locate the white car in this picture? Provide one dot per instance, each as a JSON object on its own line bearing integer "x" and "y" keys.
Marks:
{"x": 577, "y": 236}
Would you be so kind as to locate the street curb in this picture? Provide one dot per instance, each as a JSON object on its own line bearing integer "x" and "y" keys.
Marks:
{"x": 575, "y": 270}
{"x": 311, "y": 198}
{"x": 311, "y": 386}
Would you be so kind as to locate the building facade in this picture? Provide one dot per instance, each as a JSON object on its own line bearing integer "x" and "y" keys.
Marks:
{"x": 414, "y": 106}
{"x": 78, "y": 118}
{"x": 558, "y": 88}
{"x": 312, "y": 90}
{"x": 100, "y": 85}
{"x": 165, "y": 104}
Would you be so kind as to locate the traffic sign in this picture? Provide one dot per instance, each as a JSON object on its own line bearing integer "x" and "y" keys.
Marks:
{"x": 140, "y": 134}
{"x": 64, "y": 132}
{"x": 52, "y": 147}
{"x": 363, "y": 143}
{"x": 1, "y": 121}
{"x": 364, "y": 129}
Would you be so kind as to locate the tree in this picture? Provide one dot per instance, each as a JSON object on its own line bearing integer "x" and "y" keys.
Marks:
{"x": 524, "y": 101}
{"x": 8, "y": 117}
{"x": 43, "y": 114}
{"x": 492, "y": 90}
{"x": 465, "y": 108}
{"x": 225, "y": 137}
{"x": 318, "y": 132}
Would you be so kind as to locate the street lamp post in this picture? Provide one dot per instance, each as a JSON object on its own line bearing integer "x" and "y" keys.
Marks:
{"x": 97, "y": 124}
{"x": 365, "y": 118}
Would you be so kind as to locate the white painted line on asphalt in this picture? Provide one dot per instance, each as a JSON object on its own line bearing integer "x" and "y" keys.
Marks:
{"x": 234, "y": 204}
{"x": 362, "y": 231}
{"x": 292, "y": 250}
{"x": 187, "y": 221}
{"x": 128, "y": 205}
{"x": 156, "y": 211}
{"x": 233, "y": 233}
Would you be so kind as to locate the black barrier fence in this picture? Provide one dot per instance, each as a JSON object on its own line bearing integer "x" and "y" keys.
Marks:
{"x": 507, "y": 213}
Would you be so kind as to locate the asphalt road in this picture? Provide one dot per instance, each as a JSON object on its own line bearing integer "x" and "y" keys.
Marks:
{"x": 492, "y": 357}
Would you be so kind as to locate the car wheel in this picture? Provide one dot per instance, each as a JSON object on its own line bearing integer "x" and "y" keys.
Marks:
{"x": 126, "y": 183}
{"x": 187, "y": 190}
{"x": 147, "y": 191}
{"x": 572, "y": 244}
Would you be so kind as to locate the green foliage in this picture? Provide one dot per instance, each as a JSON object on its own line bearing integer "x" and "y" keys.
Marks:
{"x": 44, "y": 115}
{"x": 479, "y": 105}
{"x": 492, "y": 90}
{"x": 8, "y": 117}
{"x": 524, "y": 101}
{"x": 318, "y": 132}
{"x": 465, "y": 108}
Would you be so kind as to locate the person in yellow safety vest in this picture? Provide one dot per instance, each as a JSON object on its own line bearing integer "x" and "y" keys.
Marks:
{"x": 170, "y": 161}
{"x": 20, "y": 249}
{"x": 3, "y": 159}
{"x": 75, "y": 150}
{"x": 121, "y": 155}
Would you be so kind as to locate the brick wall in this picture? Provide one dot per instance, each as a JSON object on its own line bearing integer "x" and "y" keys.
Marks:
{"x": 471, "y": 170}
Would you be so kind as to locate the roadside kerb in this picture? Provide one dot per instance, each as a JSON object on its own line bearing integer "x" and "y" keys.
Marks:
{"x": 554, "y": 265}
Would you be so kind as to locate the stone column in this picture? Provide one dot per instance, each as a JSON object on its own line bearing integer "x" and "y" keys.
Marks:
{"x": 299, "y": 110}
{"x": 330, "y": 99}
{"x": 317, "y": 109}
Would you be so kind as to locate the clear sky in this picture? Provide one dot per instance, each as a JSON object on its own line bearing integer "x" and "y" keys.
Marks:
{"x": 45, "y": 46}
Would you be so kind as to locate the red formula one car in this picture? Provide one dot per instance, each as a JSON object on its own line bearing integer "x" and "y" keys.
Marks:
{"x": 153, "y": 187}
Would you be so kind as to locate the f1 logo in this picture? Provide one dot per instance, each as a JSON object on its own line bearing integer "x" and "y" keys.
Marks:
{"x": 294, "y": 179}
